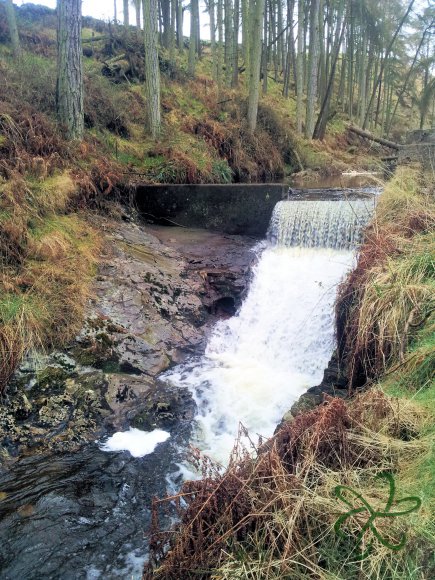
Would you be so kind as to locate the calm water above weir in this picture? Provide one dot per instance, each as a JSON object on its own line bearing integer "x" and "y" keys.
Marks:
{"x": 85, "y": 515}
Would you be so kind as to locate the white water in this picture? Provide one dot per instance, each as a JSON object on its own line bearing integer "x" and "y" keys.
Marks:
{"x": 320, "y": 224}
{"x": 138, "y": 443}
{"x": 259, "y": 362}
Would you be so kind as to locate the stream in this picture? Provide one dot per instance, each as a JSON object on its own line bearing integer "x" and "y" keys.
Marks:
{"x": 85, "y": 515}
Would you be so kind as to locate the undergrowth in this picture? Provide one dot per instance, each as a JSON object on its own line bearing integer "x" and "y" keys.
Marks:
{"x": 273, "y": 517}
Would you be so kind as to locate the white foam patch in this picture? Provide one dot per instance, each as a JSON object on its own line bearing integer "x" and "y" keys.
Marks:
{"x": 138, "y": 443}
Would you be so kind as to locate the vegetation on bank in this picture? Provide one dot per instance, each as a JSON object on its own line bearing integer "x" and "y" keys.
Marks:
{"x": 273, "y": 516}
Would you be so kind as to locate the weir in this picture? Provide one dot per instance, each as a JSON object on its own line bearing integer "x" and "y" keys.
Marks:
{"x": 320, "y": 224}
{"x": 234, "y": 208}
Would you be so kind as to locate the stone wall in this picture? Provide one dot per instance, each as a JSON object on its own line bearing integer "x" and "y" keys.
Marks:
{"x": 234, "y": 209}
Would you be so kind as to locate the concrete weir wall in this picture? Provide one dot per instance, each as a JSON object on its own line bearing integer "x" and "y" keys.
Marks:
{"x": 234, "y": 209}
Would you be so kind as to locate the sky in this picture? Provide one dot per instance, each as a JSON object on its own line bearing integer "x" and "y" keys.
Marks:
{"x": 104, "y": 9}
{"x": 97, "y": 8}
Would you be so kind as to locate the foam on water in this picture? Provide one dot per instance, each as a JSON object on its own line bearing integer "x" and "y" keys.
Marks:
{"x": 259, "y": 362}
{"x": 138, "y": 443}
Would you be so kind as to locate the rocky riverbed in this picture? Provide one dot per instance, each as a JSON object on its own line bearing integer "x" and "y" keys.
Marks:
{"x": 157, "y": 292}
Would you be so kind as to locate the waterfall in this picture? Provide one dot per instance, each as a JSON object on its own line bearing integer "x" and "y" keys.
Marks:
{"x": 260, "y": 361}
{"x": 320, "y": 224}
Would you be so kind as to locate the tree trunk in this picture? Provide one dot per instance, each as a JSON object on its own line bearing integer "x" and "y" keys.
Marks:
{"x": 137, "y": 4}
{"x": 172, "y": 31}
{"x": 126, "y": 20}
{"x": 166, "y": 21}
{"x": 228, "y": 41}
{"x": 115, "y": 13}
{"x": 152, "y": 71}
{"x": 320, "y": 128}
{"x": 367, "y": 135}
{"x": 214, "y": 63}
{"x": 384, "y": 62}
{"x": 220, "y": 45}
{"x": 236, "y": 16}
{"x": 265, "y": 47}
{"x": 408, "y": 76}
{"x": 193, "y": 39}
{"x": 126, "y": 15}
{"x": 312, "y": 69}
{"x": 255, "y": 63}
{"x": 180, "y": 37}
{"x": 69, "y": 93}
{"x": 245, "y": 33}
{"x": 300, "y": 66}
{"x": 13, "y": 30}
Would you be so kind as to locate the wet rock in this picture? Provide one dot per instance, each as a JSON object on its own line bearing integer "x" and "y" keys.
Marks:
{"x": 334, "y": 384}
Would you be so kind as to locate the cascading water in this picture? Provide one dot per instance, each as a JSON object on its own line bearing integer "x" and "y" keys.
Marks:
{"x": 258, "y": 362}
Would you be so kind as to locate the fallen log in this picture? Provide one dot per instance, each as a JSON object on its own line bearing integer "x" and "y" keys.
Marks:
{"x": 380, "y": 140}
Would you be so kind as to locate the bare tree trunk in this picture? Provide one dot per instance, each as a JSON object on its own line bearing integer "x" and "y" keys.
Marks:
{"x": 312, "y": 69}
{"x": 265, "y": 47}
{"x": 367, "y": 135}
{"x": 255, "y": 63}
{"x": 115, "y": 13}
{"x": 152, "y": 71}
{"x": 180, "y": 38}
{"x": 245, "y": 33}
{"x": 408, "y": 76}
{"x": 126, "y": 20}
{"x": 69, "y": 93}
{"x": 300, "y": 66}
{"x": 172, "y": 31}
{"x": 211, "y": 12}
{"x": 384, "y": 62}
{"x": 13, "y": 30}
{"x": 320, "y": 128}
{"x": 137, "y": 4}
{"x": 236, "y": 17}
{"x": 220, "y": 45}
{"x": 126, "y": 15}
{"x": 193, "y": 37}
{"x": 228, "y": 41}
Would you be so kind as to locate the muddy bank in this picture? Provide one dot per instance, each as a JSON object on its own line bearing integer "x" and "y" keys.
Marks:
{"x": 156, "y": 294}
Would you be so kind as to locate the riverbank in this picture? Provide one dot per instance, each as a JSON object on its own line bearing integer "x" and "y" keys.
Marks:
{"x": 279, "y": 515}
{"x": 156, "y": 292}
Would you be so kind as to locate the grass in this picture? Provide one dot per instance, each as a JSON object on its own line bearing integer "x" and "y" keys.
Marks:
{"x": 274, "y": 517}
{"x": 47, "y": 261}
{"x": 390, "y": 293}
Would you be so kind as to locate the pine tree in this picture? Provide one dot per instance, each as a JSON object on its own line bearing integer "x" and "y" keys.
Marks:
{"x": 69, "y": 94}
{"x": 152, "y": 71}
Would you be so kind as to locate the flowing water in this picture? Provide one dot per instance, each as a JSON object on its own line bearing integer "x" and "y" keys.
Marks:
{"x": 259, "y": 362}
{"x": 85, "y": 515}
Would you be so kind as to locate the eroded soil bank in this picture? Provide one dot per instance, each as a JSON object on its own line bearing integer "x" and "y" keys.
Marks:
{"x": 157, "y": 291}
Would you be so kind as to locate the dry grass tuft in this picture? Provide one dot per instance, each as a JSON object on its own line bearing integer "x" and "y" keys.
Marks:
{"x": 273, "y": 517}
{"x": 390, "y": 293}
